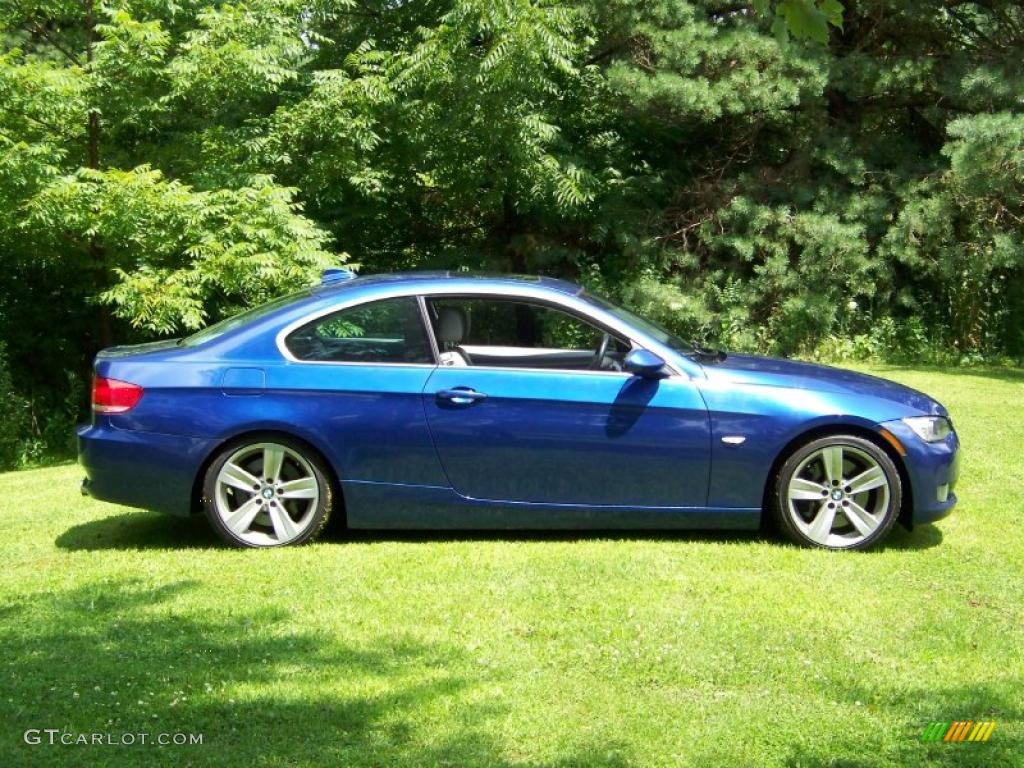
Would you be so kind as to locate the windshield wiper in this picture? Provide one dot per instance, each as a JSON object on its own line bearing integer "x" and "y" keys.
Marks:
{"x": 707, "y": 355}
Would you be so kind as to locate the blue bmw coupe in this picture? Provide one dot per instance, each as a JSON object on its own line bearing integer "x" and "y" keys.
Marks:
{"x": 445, "y": 400}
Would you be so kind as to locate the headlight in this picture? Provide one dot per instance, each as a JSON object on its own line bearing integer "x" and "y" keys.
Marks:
{"x": 931, "y": 429}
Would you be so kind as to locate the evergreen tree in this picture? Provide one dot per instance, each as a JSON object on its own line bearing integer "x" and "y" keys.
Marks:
{"x": 790, "y": 176}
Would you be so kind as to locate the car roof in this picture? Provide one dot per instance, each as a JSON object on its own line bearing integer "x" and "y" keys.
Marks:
{"x": 442, "y": 280}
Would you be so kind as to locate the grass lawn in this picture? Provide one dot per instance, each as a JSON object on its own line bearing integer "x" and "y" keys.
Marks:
{"x": 522, "y": 650}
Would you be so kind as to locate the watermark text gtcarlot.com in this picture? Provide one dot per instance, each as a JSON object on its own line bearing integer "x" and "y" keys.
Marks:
{"x": 58, "y": 737}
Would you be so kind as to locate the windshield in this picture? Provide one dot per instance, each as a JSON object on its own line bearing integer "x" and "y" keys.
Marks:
{"x": 242, "y": 318}
{"x": 653, "y": 330}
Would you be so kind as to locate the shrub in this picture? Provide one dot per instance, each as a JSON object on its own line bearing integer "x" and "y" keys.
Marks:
{"x": 13, "y": 416}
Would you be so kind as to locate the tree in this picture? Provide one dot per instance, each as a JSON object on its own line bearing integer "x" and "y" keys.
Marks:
{"x": 789, "y": 176}
{"x": 96, "y": 97}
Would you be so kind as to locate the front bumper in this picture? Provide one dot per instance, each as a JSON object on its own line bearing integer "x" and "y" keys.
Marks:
{"x": 140, "y": 469}
{"x": 933, "y": 469}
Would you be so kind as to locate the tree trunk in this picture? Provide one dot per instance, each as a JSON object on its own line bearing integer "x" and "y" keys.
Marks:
{"x": 509, "y": 230}
{"x": 92, "y": 153}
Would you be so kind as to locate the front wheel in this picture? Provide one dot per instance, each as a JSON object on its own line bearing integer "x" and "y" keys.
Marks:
{"x": 267, "y": 493}
{"x": 838, "y": 492}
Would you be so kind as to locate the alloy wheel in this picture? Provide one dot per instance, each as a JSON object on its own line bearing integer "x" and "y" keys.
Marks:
{"x": 838, "y": 496}
{"x": 266, "y": 494}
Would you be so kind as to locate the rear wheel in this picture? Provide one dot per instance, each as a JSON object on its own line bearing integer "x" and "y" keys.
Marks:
{"x": 267, "y": 493}
{"x": 838, "y": 492}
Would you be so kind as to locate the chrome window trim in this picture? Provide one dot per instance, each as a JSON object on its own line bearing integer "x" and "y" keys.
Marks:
{"x": 568, "y": 303}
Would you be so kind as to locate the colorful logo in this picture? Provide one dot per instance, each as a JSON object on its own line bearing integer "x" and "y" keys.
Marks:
{"x": 960, "y": 730}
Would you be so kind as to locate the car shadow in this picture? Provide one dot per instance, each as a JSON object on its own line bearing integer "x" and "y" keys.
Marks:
{"x": 139, "y": 530}
{"x": 151, "y": 530}
{"x": 440, "y": 536}
{"x": 922, "y": 537}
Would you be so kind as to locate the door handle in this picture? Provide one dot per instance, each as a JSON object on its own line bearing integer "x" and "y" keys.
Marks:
{"x": 460, "y": 395}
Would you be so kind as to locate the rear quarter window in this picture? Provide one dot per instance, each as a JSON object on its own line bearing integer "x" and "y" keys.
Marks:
{"x": 386, "y": 331}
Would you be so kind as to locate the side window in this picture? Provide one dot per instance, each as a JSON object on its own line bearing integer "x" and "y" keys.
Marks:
{"x": 520, "y": 334}
{"x": 388, "y": 331}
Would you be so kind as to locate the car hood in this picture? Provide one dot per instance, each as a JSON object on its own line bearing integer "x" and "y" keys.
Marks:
{"x": 792, "y": 374}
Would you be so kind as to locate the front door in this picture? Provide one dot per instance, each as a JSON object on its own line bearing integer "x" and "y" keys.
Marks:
{"x": 532, "y": 408}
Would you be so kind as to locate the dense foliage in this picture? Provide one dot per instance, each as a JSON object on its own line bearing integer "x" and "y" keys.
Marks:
{"x": 793, "y": 177}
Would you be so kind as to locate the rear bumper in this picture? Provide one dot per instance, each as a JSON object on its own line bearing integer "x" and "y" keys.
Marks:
{"x": 140, "y": 469}
{"x": 933, "y": 469}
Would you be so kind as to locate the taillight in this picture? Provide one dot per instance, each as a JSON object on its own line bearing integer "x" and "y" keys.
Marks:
{"x": 113, "y": 395}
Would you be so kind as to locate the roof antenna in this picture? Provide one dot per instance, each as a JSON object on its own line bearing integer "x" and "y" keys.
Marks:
{"x": 336, "y": 275}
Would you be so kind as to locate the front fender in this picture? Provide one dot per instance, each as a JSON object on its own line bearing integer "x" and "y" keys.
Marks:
{"x": 751, "y": 425}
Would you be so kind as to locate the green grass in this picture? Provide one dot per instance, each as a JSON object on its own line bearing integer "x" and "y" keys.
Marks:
{"x": 516, "y": 650}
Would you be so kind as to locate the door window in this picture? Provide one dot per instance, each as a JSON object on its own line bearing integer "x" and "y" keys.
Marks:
{"x": 388, "y": 331}
{"x": 498, "y": 332}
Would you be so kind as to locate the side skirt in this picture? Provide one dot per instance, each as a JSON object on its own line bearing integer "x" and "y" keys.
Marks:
{"x": 386, "y": 505}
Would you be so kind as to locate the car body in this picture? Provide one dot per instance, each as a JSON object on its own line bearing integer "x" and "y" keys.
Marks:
{"x": 410, "y": 435}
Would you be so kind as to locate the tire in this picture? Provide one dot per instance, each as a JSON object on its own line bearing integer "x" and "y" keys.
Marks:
{"x": 248, "y": 511}
{"x": 837, "y": 492}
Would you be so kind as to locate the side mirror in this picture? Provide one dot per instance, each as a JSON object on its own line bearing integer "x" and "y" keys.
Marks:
{"x": 646, "y": 364}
